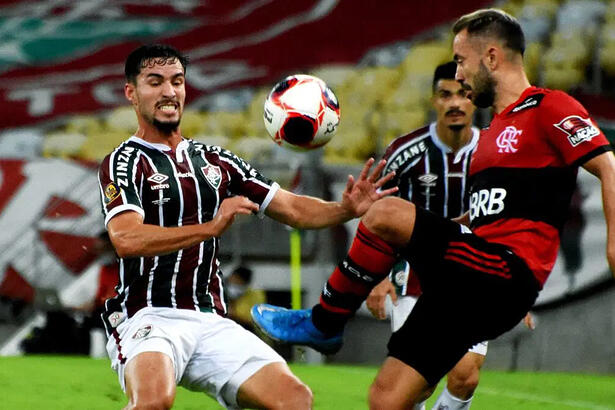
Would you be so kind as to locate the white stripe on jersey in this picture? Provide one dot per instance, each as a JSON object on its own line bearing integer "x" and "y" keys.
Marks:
{"x": 445, "y": 182}
{"x": 214, "y": 244}
{"x": 150, "y": 282}
{"x": 201, "y": 244}
{"x": 134, "y": 177}
{"x": 179, "y": 223}
{"x": 247, "y": 178}
{"x": 427, "y": 169}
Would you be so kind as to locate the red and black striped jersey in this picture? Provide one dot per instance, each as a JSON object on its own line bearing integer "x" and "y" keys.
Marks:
{"x": 523, "y": 173}
{"x": 173, "y": 188}
{"x": 431, "y": 175}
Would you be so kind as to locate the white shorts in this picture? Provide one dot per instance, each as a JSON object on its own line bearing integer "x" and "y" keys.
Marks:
{"x": 400, "y": 313}
{"x": 210, "y": 354}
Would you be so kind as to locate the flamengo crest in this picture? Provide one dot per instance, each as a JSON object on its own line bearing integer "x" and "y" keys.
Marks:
{"x": 213, "y": 175}
{"x": 507, "y": 140}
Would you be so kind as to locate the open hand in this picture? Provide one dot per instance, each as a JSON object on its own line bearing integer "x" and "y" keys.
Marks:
{"x": 359, "y": 195}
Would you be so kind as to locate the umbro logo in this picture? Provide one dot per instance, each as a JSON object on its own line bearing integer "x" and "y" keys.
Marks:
{"x": 428, "y": 179}
{"x": 157, "y": 178}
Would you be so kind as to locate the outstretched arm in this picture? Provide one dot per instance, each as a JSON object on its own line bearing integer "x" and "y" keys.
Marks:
{"x": 301, "y": 211}
{"x": 603, "y": 166}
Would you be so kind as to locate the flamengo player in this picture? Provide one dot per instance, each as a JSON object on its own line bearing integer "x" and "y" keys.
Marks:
{"x": 522, "y": 176}
{"x": 166, "y": 200}
{"x": 430, "y": 166}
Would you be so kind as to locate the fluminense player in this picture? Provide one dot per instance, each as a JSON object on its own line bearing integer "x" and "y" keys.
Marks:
{"x": 477, "y": 281}
{"x": 166, "y": 201}
{"x": 431, "y": 164}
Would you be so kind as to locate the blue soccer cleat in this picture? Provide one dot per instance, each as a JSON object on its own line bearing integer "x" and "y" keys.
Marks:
{"x": 293, "y": 327}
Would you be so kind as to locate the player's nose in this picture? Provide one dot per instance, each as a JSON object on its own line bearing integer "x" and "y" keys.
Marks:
{"x": 459, "y": 75}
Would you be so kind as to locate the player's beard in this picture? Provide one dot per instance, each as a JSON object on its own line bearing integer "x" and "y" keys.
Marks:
{"x": 483, "y": 91}
{"x": 456, "y": 127}
{"x": 166, "y": 128}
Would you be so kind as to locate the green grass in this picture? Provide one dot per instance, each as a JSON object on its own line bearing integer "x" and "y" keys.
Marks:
{"x": 56, "y": 382}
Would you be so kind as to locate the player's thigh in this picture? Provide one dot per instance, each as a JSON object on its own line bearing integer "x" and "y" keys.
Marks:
{"x": 274, "y": 386}
{"x": 226, "y": 357}
{"x": 431, "y": 340}
{"x": 150, "y": 378}
{"x": 397, "y": 386}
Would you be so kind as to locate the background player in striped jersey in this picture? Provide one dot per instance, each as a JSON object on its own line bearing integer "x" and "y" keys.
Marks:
{"x": 166, "y": 201}
{"x": 431, "y": 165}
{"x": 476, "y": 284}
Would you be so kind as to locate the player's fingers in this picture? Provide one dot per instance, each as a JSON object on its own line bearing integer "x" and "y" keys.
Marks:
{"x": 382, "y": 194}
{"x": 365, "y": 170}
{"x": 349, "y": 183}
{"x": 385, "y": 179}
{"x": 377, "y": 171}
{"x": 393, "y": 297}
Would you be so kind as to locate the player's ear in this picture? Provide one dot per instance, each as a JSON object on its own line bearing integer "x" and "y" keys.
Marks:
{"x": 493, "y": 57}
{"x": 129, "y": 92}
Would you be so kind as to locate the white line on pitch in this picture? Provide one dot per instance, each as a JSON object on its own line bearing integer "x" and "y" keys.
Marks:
{"x": 543, "y": 399}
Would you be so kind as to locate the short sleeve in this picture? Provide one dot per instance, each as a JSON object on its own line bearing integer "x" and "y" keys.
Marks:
{"x": 247, "y": 181}
{"x": 570, "y": 129}
{"x": 119, "y": 179}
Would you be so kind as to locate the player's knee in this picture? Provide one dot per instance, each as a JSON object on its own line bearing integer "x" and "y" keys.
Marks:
{"x": 462, "y": 384}
{"x": 296, "y": 395}
{"x": 391, "y": 218}
{"x": 381, "y": 398}
{"x": 152, "y": 402}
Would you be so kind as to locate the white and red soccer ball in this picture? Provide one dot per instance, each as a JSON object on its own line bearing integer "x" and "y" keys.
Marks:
{"x": 301, "y": 112}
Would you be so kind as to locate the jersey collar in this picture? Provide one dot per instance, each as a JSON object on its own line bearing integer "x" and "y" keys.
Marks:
{"x": 469, "y": 146}
{"x": 181, "y": 147}
{"x": 530, "y": 90}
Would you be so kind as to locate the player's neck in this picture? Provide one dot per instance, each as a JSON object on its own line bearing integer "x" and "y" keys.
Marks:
{"x": 454, "y": 138}
{"x": 509, "y": 88}
{"x": 151, "y": 134}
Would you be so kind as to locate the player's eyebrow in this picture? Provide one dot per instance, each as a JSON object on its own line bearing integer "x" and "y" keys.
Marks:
{"x": 160, "y": 76}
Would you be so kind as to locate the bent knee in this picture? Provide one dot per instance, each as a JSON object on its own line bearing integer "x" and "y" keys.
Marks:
{"x": 391, "y": 219}
{"x": 463, "y": 384}
{"x": 383, "y": 398}
{"x": 296, "y": 395}
{"x": 158, "y": 402}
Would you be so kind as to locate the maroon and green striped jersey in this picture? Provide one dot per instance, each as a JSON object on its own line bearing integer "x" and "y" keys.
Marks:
{"x": 431, "y": 175}
{"x": 174, "y": 188}
{"x": 428, "y": 172}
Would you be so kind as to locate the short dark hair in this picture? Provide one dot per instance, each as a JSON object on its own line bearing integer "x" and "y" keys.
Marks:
{"x": 495, "y": 23}
{"x": 244, "y": 273}
{"x": 444, "y": 71}
{"x": 148, "y": 54}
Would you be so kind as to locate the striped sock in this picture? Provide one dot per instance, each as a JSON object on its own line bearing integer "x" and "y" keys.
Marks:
{"x": 369, "y": 260}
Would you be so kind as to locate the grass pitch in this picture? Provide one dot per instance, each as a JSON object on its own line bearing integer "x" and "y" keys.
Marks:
{"x": 63, "y": 383}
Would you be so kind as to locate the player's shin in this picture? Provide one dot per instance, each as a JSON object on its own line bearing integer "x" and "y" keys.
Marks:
{"x": 369, "y": 260}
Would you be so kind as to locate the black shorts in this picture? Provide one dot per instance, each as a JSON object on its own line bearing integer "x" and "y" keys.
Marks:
{"x": 473, "y": 291}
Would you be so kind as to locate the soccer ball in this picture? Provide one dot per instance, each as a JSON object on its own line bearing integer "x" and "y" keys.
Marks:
{"x": 301, "y": 113}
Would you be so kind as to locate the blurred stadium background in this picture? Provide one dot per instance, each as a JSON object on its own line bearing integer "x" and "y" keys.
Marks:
{"x": 61, "y": 86}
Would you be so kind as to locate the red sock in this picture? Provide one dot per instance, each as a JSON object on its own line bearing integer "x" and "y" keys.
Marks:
{"x": 369, "y": 260}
